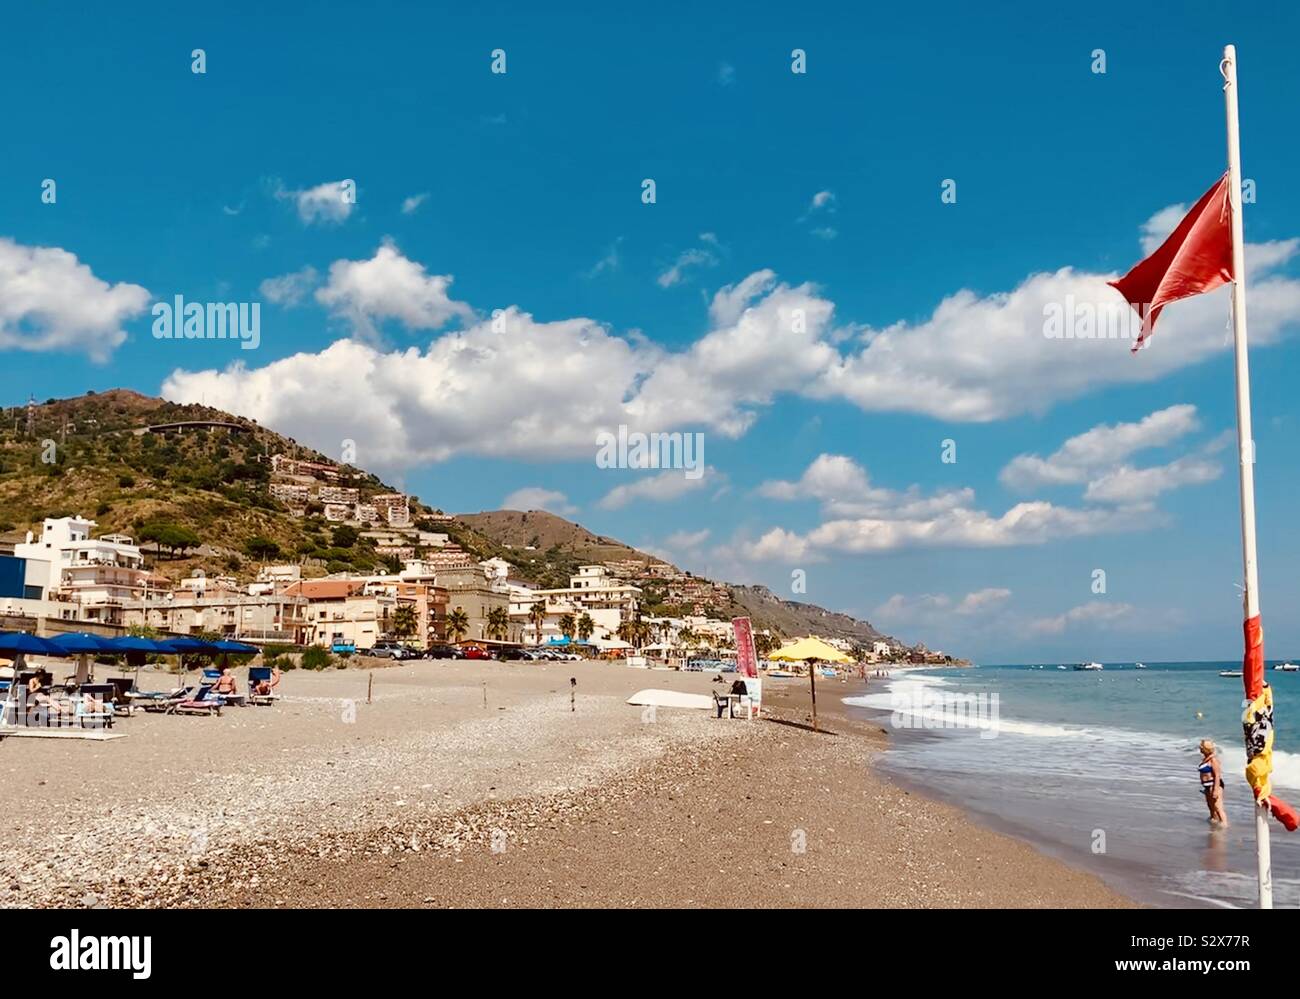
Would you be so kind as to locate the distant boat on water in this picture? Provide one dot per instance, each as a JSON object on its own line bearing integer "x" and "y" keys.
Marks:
{"x": 1062, "y": 667}
{"x": 1229, "y": 672}
{"x": 1089, "y": 666}
{"x": 1288, "y": 668}
{"x": 1139, "y": 665}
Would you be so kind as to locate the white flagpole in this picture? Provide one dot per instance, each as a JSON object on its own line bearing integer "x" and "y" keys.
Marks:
{"x": 1245, "y": 442}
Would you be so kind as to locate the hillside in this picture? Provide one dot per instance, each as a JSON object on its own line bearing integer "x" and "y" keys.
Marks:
{"x": 198, "y": 498}
{"x": 520, "y": 533}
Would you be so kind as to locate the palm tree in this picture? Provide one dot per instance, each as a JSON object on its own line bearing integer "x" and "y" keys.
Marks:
{"x": 687, "y": 638}
{"x": 585, "y": 626}
{"x": 640, "y": 633}
{"x": 568, "y": 625}
{"x": 457, "y": 624}
{"x": 625, "y": 630}
{"x": 537, "y": 616}
{"x": 404, "y": 621}
{"x": 498, "y": 623}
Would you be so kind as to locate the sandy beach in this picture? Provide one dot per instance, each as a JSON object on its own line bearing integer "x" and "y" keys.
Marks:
{"x": 475, "y": 784}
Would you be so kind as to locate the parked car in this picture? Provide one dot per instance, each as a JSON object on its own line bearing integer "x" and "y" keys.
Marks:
{"x": 390, "y": 650}
{"x": 474, "y": 652}
{"x": 517, "y": 655}
{"x": 443, "y": 652}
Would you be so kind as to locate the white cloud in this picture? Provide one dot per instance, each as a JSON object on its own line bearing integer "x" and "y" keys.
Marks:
{"x": 1097, "y": 458}
{"x": 330, "y": 202}
{"x": 1140, "y": 485}
{"x": 49, "y": 300}
{"x": 825, "y": 232}
{"x": 538, "y": 498}
{"x": 608, "y": 263}
{"x": 957, "y": 527}
{"x": 1103, "y": 447}
{"x": 1098, "y": 612}
{"x": 981, "y": 358}
{"x": 843, "y": 488}
{"x": 980, "y": 600}
{"x": 667, "y": 485}
{"x": 931, "y": 607}
{"x": 476, "y": 391}
{"x": 822, "y": 200}
{"x": 686, "y": 539}
{"x": 289, "y": 289}
{"x": 389, "y": 286}
{"x": 411, "y": 204}
{"x": 694, "y": 257}
{"x": 511, "y": 393}
{"x": 726, "y": 74}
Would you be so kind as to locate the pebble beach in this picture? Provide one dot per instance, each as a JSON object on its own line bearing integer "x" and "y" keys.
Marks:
{"x": 498, "y": 785}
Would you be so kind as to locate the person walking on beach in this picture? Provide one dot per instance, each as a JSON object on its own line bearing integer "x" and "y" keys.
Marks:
{"x": 1212, "y": 782}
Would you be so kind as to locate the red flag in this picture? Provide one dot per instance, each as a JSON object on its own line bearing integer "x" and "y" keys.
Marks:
{"x": 1196, "y": 258}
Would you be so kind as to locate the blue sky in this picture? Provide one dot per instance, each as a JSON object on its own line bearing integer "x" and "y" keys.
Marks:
{"x": 775, "y": 192}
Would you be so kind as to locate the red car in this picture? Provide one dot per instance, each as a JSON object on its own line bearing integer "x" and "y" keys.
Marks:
{"x": 474, "y": 652}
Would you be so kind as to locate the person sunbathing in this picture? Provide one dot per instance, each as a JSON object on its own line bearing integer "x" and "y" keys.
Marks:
{"x": 225, "y": 683}
{"x": 263, "y": 688}
{"x": 38, "y": 700}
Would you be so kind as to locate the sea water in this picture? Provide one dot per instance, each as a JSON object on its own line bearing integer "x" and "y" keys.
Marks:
{"x": 1099, "y": 768}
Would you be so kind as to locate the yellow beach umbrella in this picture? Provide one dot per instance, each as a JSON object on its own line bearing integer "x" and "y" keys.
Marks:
{"x": 810, "y": 648}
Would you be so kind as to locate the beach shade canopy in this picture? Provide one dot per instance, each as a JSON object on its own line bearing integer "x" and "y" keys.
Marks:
{"x": 16, "y": 642}
{"x": 810, "y": 648}
{"x": 134, "y": 643}
{"x": 81, "y": 643}
{"x": 185, "y": 646}
{"x": 235, "y": 648}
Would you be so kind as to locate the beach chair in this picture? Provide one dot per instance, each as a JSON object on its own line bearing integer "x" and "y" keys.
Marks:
{"x": 211, "y": 676}
{"x": 261, "y": 674}
{"x": 122, "y": 689}
{"x": 94, "y": 705}
{"x": 159, "y": 700}
{"x": 205, "y": 702}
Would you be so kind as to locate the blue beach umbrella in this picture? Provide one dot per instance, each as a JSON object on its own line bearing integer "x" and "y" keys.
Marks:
{"x": 82, "y": 643}
{"x": 134, "y": 643}
{"x": 21, "y": 643}
{"x": 235, "y": 648}
{"x": 17, "y": 644}
{"x": 185, "y": 645}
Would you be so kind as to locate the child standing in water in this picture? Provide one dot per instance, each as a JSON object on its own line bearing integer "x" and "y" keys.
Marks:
{"x": 1212, "y": 782}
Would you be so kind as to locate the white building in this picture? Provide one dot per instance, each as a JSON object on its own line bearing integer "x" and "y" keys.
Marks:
{"x": 95, "y": 575}
{"x": 274, "y": 579}
{"x": 594, "y": 591}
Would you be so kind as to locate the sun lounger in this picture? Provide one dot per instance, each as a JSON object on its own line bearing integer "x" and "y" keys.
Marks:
{"x": 205, "y": 702}
{"x": 94, "y": 705}
{"x": 158, "y": 700}
{"x": 257, "y": 675}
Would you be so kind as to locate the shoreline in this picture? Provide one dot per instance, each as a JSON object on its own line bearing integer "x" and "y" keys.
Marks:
{"x": 593, "y": 807}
